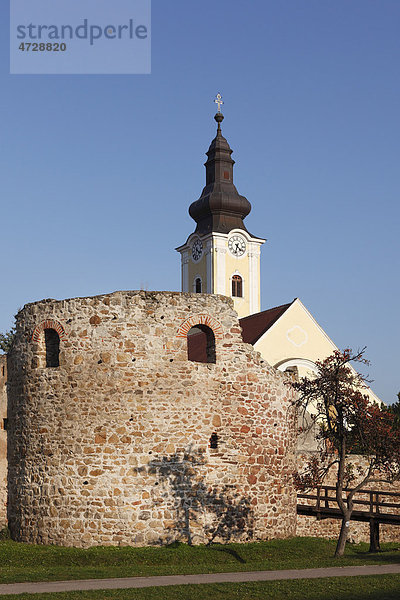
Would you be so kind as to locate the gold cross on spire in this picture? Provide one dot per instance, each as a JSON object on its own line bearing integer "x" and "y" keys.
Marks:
{"x": 218, "y": 100}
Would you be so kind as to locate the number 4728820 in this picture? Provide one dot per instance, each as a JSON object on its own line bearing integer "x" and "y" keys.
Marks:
{"x": 42, "y": 47}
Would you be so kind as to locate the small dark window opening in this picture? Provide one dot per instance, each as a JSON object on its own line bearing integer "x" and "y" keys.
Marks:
{"x": 197, "y": 285}
{"x": 5, "y": 424}
{"x": 52, "y": 341}
{"x": 3, "y": 370}
{"x": 226, "y": 174}
{"x": 214, "y": 441}
{"x": 201, "y": 344}
{"x": 293, "y": 372}
{"x": 237, "y": 286}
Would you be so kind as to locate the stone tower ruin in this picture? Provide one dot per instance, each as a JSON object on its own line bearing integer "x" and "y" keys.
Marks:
{"x": 141, "y": 418}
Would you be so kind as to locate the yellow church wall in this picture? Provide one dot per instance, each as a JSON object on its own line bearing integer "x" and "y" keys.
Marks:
{"x": 218, "y": 265}
{"x": 198, "y": 269}
{"x": 296, "y": 335}
{"x": 238, "y": 266}
{"x": 257, "y": 295}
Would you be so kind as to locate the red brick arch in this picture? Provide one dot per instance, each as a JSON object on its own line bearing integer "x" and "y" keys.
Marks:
{"x": 49, "y": 324}
{"x": 201, "y": 319}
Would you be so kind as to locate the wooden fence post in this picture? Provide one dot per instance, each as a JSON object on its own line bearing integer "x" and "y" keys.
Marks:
{"x": 374, "y": 545}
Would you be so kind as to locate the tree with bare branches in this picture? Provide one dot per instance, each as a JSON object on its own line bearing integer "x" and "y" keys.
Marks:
{"x": 347, "y": 422}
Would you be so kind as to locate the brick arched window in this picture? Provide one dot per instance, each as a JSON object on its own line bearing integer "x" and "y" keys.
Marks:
{"x": 52, "y": 342}
{"x": 197, "y": 285}
{"x": 201, "y": 344}
{"x": 237, "y": 286}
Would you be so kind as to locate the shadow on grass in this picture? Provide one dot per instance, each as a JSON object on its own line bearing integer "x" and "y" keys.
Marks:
{"x": 229, "y": 551}
{"x": 384, "y": 556}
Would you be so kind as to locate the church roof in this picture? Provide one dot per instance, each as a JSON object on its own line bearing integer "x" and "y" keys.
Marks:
{"x": 254, "y": 326}
{"x": 220, "y": 207}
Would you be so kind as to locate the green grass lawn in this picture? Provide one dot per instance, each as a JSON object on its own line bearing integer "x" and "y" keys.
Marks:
{"x": 24, "y": 562}
{"x": 384, "y": 587}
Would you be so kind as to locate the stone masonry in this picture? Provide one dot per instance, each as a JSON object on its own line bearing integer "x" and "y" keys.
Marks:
{"x": 3, "y": 441}
{"x": 129, "y": 442}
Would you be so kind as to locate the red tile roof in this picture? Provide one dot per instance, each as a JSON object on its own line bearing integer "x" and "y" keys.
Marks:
{"x": 254, "y": 326}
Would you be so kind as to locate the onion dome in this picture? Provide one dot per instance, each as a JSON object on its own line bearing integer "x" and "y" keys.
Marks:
{"x": 220, "y": 207}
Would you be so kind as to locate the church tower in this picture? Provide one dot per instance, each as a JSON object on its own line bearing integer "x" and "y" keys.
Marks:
{"x": 221, "y": 256}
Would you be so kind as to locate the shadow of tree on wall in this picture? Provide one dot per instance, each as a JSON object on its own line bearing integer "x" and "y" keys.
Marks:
{"x": 200, "y": 511}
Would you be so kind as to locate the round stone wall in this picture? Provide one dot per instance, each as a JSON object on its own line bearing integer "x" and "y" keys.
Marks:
{"x": 115, "y": 437}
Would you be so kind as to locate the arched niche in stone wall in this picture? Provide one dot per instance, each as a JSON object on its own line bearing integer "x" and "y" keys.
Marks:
{"x": 201, "y": 344}
{"x": 47, "y": 336}
{"x": 200, "y": 319}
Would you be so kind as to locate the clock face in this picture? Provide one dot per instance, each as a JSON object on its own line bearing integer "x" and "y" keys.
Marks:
{"x": 197, "y": 249}
{"x": 237, "y": 245}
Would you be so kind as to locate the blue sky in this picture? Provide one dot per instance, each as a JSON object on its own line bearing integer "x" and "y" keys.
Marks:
{"x": 98, "y": 171}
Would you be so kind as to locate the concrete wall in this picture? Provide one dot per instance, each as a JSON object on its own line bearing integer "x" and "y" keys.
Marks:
{"x": 113, "y": 446}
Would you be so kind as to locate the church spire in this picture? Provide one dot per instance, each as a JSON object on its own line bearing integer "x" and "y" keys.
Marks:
{"x": 221, "y": 256}
{"x": 220, "y": 207}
